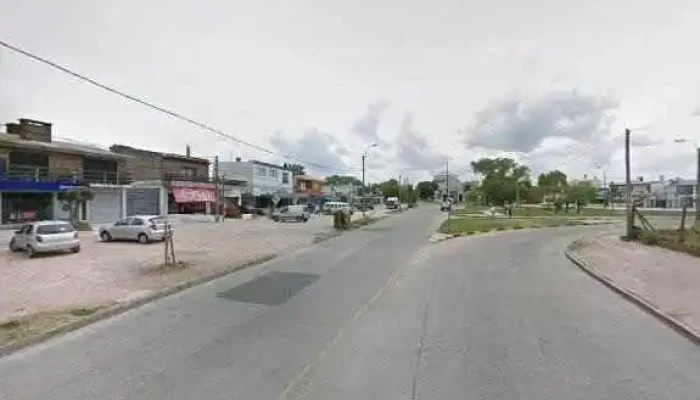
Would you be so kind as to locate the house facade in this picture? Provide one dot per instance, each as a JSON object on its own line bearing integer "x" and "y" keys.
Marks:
{"x": 448, "y": 185}
{"x": 262, "y": 183}
{"x": 308, "y": 186}
{"x": 34, "y": 168}
{"x": 187, "y": 187}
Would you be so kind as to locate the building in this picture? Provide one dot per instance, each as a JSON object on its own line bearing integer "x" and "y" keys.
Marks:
{"x": 342, "y": 192}
{"x": 34, "y": 168}
{"x": 263, "y": 184}
{"x": 185, "y": 180}
{"x": 448, "y": 186}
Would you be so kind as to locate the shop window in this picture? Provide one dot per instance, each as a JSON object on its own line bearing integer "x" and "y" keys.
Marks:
{"x": 285, "y": 177}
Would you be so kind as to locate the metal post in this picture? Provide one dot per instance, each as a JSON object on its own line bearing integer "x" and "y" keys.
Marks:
{"x": 447, "y": 187}
{"x": 628, "y": 174}
{"x": 362, "y": 198}
{"x": 697, "y": 193}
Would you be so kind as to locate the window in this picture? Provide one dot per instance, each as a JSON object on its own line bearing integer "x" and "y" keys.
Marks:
{"x": 261, "y": 171}
{"x": 274, "y": 173}
{"x": 685, "y": 190}
{"x": 137, "y": 221}
{"x": 285, "y": 177}
{"x": 188, "y": 172}
{"x": 57, "y": 228}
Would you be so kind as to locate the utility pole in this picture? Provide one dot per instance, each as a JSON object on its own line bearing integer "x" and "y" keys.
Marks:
{"x": 697, "y": 193}
{"x": 216, "y": 185}
{"x": 605, "y": 188}
{"x": 447, "y": 186}
{"x": 628, "y": 177}
{"x": 363, "y": 173}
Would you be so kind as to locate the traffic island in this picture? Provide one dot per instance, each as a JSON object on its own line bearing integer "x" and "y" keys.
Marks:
{"x": 664, "y": 283}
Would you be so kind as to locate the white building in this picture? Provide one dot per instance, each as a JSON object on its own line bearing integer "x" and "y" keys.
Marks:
{"x": 260, "y": 180}
{"x": 449, "y": 182}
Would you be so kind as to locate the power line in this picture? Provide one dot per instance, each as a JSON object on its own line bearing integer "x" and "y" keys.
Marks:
{"x": 159, "y": 108}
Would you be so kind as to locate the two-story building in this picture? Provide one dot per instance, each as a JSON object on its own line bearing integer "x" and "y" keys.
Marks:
{"x": 188, "y": 186}
{"x": 265, "y": 184}
{"x": 34, "y": 168}
{"x": 448, "y": 185}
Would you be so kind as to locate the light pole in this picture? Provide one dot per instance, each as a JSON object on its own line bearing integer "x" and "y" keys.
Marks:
{"x": 696, "y": 199}
{"x": 364, "y": 155}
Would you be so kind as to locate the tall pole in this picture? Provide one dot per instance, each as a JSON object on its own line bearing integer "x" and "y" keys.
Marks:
{"x": 605, "y": 188}
{"x": 362, "y": 199}
{"x": 628, "y": 177}
{"x": 216, "y": 185}
{"x": 447, "y": 186}
{"x": 697, "y": 193}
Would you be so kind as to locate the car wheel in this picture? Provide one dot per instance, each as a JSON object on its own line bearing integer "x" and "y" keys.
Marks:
{"x": 30, "y": 252}
{"x": 75, "y": 249}
{"x": 13, "y": 246}
{"x": 105, "y": 236}
{"x": 143, "y": 239}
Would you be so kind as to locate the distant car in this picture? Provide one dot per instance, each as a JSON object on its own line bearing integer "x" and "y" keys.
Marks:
{"x": 292, "y": 213}
{"x": 45, "y": 237}
{"x": 446, "y": 206}
{"x": 331, "y": 207}
{"x": 142, "y": 228}
{"x": 392, "y": 203}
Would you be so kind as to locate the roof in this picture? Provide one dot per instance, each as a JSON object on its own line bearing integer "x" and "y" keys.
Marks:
{"x": 57, "y": 146}
{"x": 269, "y": 165}
{"x": 308, "y": 178}
{"x": 123, "y": 149}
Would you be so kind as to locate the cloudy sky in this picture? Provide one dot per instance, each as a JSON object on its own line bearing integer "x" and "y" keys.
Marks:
{"x": 550, "y": 82}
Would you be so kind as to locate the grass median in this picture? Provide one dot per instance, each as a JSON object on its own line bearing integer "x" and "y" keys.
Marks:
{"x": 472, "y": 225}
{"x": 19, "y": 329}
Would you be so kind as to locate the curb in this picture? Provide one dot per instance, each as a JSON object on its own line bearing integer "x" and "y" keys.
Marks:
{"x": 129, "y": 305}
{"x": 126, "y": 306}
{"x": 673, "y": 323}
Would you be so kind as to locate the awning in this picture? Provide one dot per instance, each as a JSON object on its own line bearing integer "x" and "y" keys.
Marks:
{"x": 193, "y": 195}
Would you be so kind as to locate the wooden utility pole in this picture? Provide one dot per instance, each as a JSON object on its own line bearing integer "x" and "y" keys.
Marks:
{"x": 447, "y": 187}
{"x": 216, "y": 185}
{"x": 628, "y": 176}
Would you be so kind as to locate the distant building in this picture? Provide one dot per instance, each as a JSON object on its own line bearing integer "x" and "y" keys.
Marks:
{"x": 448, "y": 186}
{"x": 265, "y": 184}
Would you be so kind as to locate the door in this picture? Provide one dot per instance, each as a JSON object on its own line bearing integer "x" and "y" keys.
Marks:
{"x": 120, "y": 229}
{"x": 21, "y": 237}
{"x": 143, "y": 201}
{"x": 136, "y": 227}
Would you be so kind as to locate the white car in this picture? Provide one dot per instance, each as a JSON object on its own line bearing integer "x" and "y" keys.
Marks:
{"x": 142, "y": 228}
{"x": 45, "y": 237}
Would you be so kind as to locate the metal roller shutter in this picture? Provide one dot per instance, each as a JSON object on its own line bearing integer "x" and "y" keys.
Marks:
{"x": 105, "y": 206}
{"x": 143, "y": 201}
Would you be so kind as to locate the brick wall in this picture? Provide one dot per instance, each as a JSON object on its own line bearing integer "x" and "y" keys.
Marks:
{"x": 65, "y": 163}
{"x": 176, "y": 167}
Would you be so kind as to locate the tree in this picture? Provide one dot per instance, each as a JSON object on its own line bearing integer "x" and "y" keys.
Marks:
{"x": 503, "y": 181}
{"x": 552, "y": 184}
{"x": 426, "y": 189}
{"x": 340, "y": 180}
{"x": 73, "y": 199}
{"x": 390, "y": 188}
{"x": 297, "y": 169}
{"x": 580, "y": 194}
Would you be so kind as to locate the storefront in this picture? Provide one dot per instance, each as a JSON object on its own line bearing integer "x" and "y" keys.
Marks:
{"x": 184, "y": 198}
{"x": 24, "y": 201}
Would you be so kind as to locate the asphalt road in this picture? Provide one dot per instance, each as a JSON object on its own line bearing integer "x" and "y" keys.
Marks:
{"x": 379, "y": 314}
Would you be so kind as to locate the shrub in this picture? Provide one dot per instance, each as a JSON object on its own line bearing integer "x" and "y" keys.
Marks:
{"x": 82, "y": 226}
{"x": 517, "y": 226}
{"x": 650, "y": 238}
{"x": 501, "y": 228}
{"x": 470, "y": 232}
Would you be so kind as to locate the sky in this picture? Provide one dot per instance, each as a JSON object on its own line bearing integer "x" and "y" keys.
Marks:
{"x": 551, "y": 83}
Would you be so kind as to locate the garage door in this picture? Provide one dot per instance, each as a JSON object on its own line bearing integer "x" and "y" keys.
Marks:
{"x": 105, "y": 206}
{"x": 143, "y": 201}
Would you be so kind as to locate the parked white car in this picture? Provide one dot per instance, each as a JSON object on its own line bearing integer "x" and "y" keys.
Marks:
{"x": 334, "y": 206}
{"x": 142, "y": 228}
{"x": 45, "y": 237}
{"x": 292, "y": 213}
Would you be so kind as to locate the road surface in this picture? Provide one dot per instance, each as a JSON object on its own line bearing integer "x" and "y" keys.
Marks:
{"x": 377, "y": 314}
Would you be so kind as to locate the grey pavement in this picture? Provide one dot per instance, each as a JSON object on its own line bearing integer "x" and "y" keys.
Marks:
{"x": 377, "y": 313}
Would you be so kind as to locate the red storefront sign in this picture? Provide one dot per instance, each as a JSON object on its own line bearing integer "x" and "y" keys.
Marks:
{"x": 193, "y": 195}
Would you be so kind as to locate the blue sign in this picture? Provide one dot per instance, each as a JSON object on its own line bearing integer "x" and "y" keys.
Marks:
{"x": 33, "y": 186}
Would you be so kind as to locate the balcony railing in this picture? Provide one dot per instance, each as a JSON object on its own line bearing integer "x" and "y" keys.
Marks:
{"x": 187, "y": 177}
{"x": 68, "y": 176}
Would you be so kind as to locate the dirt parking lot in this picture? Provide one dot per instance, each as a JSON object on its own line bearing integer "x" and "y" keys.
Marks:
{"x": 105, "y": 273}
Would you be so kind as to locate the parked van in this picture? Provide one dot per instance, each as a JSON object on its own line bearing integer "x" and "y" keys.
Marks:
{"x": 333, "y": 206}
{"x": 298, "y": 212}
{"x": 392, "y": 203}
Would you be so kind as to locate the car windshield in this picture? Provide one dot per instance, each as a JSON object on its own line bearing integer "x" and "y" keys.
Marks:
{"x": 55, "y": 228}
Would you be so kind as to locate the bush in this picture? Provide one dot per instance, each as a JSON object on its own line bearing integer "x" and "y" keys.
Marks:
{"x": 341, "y": 220}
{"x": 650, "y": 238}
{"x": 82, "y": 226}
{"x": 516, "y": 226}
{"x": 470, "y": 232}
{"x": 500, "y": 228}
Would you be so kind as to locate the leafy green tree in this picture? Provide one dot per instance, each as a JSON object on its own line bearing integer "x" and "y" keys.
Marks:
{"x": 580, "y": 194}
{"x": 426, "y": 189}
{"x": 340, "y": 180}
{"x": 503, "y": 181}
{"x": 390, "y": 188}
{"x": 552, "y": 184}
{"x": 73, "y": 199}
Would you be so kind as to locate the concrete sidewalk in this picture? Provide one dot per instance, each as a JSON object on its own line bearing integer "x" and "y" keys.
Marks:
{"x": 663, "y": 281}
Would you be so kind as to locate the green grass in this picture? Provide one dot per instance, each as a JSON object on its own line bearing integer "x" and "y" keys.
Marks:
{"x": 22, "y": 328}
{"x": 671, "y": 239}
{"x": 531, "y": 211}
{"x": 467, "y": 226}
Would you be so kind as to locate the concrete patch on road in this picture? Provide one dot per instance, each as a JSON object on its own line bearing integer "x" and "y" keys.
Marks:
{"x": 671, "y": 319}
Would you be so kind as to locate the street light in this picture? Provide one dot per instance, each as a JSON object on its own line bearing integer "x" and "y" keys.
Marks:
{"x": 364, "y": 155}
{"x": 696, "y": 200}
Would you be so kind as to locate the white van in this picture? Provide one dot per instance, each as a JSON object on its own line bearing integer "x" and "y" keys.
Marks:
{"x": 333, "y": 206}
